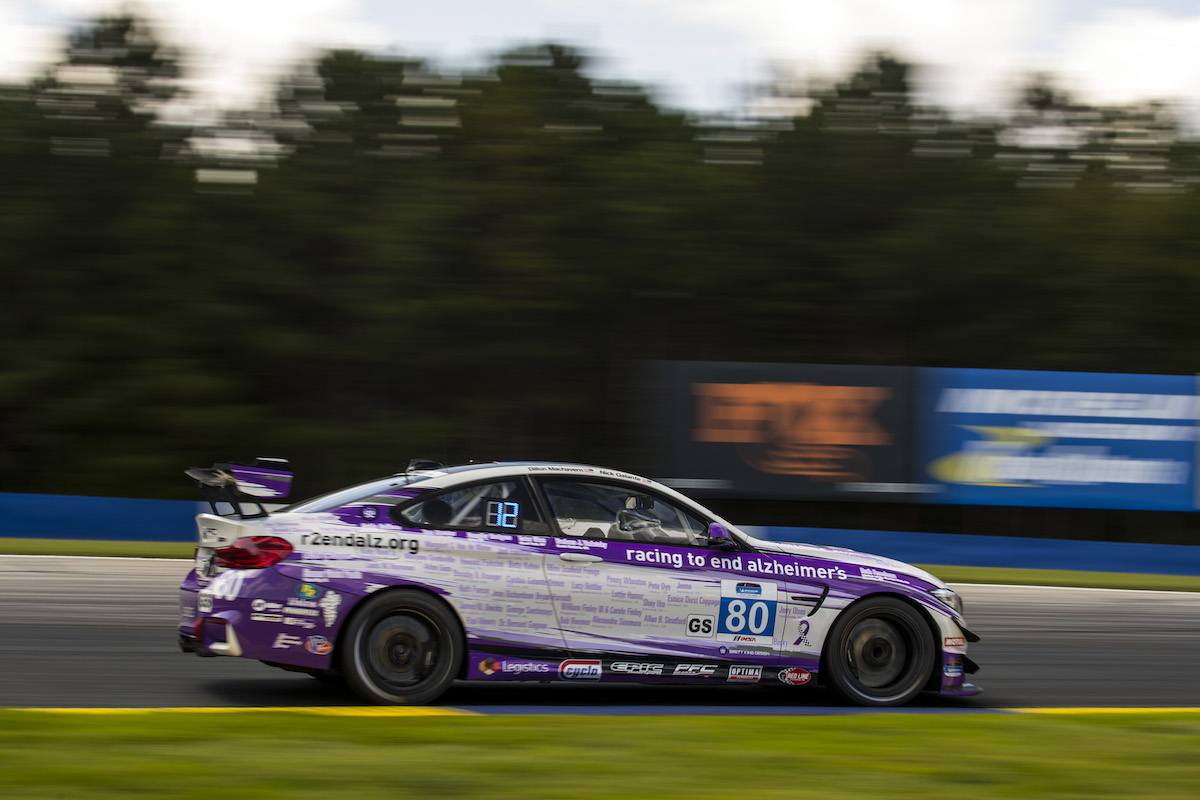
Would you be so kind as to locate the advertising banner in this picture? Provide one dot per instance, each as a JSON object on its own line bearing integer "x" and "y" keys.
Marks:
{"x": 786, "y": 431}
{"x": 1066, "y": 439}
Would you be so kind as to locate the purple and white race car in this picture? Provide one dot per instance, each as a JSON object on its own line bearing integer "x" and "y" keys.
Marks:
{"x": 536, "y": 571}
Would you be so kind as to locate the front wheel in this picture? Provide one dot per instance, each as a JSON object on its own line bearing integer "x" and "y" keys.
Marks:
{"x": 402, "y": 648}
{"x": 880, "y": 652}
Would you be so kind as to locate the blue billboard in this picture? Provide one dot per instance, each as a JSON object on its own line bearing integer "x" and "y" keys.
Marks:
{"x": 1066, "y": 439}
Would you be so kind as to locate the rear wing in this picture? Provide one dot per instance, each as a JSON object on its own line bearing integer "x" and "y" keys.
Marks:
{"x": 227, "y": 487}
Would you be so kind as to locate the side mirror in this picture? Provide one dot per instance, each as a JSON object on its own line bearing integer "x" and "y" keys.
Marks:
{"x": 720, "y": 538}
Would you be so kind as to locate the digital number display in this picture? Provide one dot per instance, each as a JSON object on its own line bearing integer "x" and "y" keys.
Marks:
{"x": 502, "y": 514}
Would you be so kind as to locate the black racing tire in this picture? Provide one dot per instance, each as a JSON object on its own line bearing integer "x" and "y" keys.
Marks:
{"x": 402, "y": 647}
{"x": 880, "y": 652}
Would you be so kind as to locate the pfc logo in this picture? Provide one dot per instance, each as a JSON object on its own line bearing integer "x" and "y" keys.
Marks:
{"x": 701, "y": 670}
{"x": 701, "y": 626}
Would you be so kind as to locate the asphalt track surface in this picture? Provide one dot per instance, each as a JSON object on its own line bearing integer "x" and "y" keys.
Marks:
{"x": 100, "y": 633}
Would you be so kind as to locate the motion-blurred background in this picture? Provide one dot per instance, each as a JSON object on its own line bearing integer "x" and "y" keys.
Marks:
{"x": 223, "y": 234}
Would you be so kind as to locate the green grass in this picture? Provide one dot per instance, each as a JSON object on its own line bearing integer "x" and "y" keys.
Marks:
{"x": 270, "y": 754}
{"x": 1057, "y": 577}
{"x": 952, "y": 574}
{"x": 83, "y": 547}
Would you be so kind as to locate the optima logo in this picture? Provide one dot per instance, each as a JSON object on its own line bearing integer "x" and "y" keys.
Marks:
{"x": 742, "y": 672}
{"x": 579, "y": 670}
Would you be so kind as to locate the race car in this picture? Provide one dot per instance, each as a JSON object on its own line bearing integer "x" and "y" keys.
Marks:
{"x": 539, "y": 571}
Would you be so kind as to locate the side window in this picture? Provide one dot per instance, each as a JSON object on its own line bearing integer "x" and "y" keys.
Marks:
{"x": 616, "y": 511}
{"x": 500, "y": 507}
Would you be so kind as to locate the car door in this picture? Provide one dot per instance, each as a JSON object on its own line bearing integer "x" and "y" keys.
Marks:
{"x": 484, "y": 547}
{"x": 639, "y": 591}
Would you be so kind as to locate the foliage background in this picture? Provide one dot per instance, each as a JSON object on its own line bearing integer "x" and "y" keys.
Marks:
{"x": 392, "y": 262}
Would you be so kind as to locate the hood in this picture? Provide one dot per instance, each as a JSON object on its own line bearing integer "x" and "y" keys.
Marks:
{"x": 845, "y": 556}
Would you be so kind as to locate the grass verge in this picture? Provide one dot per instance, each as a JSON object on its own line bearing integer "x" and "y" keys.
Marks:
{"x": 85, "y": 547}
{"x": 1058, "y": 577}
{"x": 952, "y": 574}
{"x": 272, "y": 754}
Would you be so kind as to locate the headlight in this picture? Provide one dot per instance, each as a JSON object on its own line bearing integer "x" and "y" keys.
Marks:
{"x": 950, "y": 598}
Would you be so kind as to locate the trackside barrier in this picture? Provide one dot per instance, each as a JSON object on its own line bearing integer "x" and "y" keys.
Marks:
{"x": 44, "y": 516}
{"x": 963, "y": 550}
{"x": 55, "y": 516}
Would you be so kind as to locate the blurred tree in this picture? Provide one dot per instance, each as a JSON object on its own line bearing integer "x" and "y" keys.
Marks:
{"x": 393, "y": 262}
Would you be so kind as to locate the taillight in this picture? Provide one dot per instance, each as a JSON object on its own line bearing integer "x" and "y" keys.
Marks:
{"x": 253, "y": 552}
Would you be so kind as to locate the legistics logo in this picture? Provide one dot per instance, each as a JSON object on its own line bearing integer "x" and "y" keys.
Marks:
{"x": 804, "y": 429}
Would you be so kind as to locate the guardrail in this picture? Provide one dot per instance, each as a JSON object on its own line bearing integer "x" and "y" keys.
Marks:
{"x": 57, "y": 516}
{"x": 44, "y": 516}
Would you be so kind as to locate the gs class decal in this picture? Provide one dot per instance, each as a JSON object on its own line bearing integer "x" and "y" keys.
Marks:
{"x": 747, "y": 612}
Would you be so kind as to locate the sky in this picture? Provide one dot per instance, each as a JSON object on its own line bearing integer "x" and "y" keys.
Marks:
{"x": 705, "y": 56}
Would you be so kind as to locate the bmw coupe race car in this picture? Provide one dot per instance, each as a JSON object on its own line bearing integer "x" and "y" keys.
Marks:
{"x": 538, "y": 571}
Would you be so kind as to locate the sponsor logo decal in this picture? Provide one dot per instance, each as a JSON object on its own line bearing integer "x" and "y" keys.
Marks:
{"x": 370, "y": 512}
{"x": 743, "y": 673}
{"x": 329, "y": 606}
{"x": 266, "y": 617}
{"x": 636, "y": 668}
{"x": 393, "y": 545}
{"x": 309, "y": 591}
{"x": 955, "y": 641}
{"x": 701, "y": 625}
{"x": 880, "y": 575}
{"x": 490, "y": 666}
{"x": 204, "y": 601}
{"x": 259, "y": 604}
{"x": 318, "y": 645}
{"x": 326, "y": 575}
{"x": 699, "y": 670}
{"x": 743, "y": 651}
{"x": 751, "y": 589}
{"x": 576, "y": 670}
{"x": 953, "y": 669}
{"x": 577, "y": 544}
{"x": 286, "y": 640}
{"x": 795, "y": 676}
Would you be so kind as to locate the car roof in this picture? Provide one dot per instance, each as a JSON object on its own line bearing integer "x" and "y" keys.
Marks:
{"x": 445, "y": 476}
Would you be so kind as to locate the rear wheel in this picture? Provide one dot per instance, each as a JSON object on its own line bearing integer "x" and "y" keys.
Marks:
{"x": 402, "y": 648}
{"x": 880, "y": 653}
